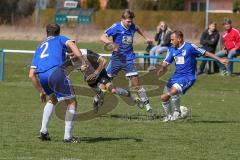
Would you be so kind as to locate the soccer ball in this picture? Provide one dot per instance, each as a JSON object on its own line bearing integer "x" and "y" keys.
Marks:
{"x": 184, "y": 111}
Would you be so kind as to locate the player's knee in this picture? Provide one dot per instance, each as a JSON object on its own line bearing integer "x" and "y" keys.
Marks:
{"x": 71, "y": 103}
{"x": 113, "y": 91}
{"x": 164, "y": 97}
{"x": 102, "y": 86}
{"x": 134, "y": 88}
{"x": 53, "y": 100}
{"x": 110, "y": 88}
{"x": 134, "y": 81}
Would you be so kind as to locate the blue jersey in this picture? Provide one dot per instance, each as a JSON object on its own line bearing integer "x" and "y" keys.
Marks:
{"x": 185, "y": 60}
{"x": 50, "y": 53}
{"x": 123, "y": 37}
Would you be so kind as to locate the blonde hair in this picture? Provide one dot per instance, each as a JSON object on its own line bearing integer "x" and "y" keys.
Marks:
{"x": 162, "y": 22}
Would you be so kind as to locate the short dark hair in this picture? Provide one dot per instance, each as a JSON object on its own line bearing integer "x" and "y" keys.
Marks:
{"x": 127, "y": 13}
{"x": 53, "y": 29}
{"x": 227, "y": 21}
{"x": 178, "y": 33}
{"x": 212, "y": 22}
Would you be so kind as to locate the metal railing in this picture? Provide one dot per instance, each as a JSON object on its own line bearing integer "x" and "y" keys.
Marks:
{"x": 4, "y": 51}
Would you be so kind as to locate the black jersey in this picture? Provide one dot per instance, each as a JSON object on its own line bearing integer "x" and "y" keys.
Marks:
{"x": 92, "y": 60}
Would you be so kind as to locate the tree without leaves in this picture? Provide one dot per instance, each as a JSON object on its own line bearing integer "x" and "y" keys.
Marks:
{"x": 236, "y": 5}
{"x": 11, "y": 10}
{"x": 120, "y": 4}
{"x": 170, "y": 5}
{"x": 93, "y": 4}
{"x": 150, "y": 4}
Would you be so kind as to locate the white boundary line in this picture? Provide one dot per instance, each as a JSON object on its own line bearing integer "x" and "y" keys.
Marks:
{"x": 32, "y": 52}
{"x": 18, "y": 51}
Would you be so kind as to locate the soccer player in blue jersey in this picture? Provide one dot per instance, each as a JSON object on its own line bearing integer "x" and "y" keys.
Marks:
{"x": 49, "y": 78}
{"x": 123, "y": 56}
{"x": 184, "y": 55}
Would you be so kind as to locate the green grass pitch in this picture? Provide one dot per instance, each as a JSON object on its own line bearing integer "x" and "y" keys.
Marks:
{"x": 211, "y": 134}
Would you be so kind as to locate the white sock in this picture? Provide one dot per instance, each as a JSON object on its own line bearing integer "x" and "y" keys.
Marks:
{"x": 47, "y": 113}
{"x": 69, "y": 120}
{"x": 148, "y": 107}
{"x": 122, "y": 92}
{"x": 176, "y": 102}
{"x": 167, "y": 108}
{"x": 143, "y": 96}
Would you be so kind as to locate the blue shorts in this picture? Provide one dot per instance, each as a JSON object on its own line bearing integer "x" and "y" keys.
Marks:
{"x": 115, "y": 66}
{"x": 181, "y": 84}
{"x": 55, "y": 81}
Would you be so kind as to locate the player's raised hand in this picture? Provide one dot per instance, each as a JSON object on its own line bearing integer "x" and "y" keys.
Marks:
{"x": 43, "y": 97}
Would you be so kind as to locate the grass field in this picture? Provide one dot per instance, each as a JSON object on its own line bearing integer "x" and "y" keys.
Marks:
{"x": 126, "y": 132}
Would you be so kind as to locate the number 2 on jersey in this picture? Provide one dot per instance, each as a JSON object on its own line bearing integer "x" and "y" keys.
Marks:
{"x": 45, "y": 47}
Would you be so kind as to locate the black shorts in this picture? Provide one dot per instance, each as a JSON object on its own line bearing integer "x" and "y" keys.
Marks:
{"x": 102, "y": 78}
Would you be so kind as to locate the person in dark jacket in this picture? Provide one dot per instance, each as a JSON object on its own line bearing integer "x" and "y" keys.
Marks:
{"x": 209, "y": 40}
{"x": 162, "y": 38}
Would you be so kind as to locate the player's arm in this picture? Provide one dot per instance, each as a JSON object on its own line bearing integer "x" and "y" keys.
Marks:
{"x": 163, "y": 69}
{"x": 143, "y": 34}
{"x": 109, "y": 44}
{"x": 32, "y": 76}
{"x": 211, "y": 55}
{"x": 105, "y": 39}
{"x": 76, "y": 54}
{"x": 102, "y": 62}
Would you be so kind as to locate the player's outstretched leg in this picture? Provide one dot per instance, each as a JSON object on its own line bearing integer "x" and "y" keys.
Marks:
{"x": 123, "y": 92}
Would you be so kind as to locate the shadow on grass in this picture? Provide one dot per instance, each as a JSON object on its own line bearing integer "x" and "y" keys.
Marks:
{"x": 104, "y": 139}
{"x": 137, "y": 116}
{"x": 157, "y": 117}
{"x": 216, "y": 121}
